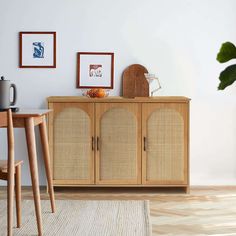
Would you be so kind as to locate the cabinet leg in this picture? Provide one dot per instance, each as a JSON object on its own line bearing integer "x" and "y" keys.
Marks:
{"x": 187, "y": 189}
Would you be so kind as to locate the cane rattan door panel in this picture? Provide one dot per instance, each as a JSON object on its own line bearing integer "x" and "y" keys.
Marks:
{"x": 73, "y": 130}
{"x": 118, "y": 144}
{"x": 165, "y": 148}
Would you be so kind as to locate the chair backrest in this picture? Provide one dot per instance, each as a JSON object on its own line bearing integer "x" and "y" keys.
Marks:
{"x": 3, "y": 119}
{"x": 6, "y": 121}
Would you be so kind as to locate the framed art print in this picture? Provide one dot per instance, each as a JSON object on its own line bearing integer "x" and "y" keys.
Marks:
{"x": 95, "y": 70}
{"x": 37, "y": 49}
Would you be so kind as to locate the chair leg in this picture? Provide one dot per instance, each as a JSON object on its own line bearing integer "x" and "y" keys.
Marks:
{"x": 10, "y": 198}
{"x": 18, "y": 195}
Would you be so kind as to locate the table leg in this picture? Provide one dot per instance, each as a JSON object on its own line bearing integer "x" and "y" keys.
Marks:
{"x": 46, "y": 156}
{"x": 10, "y": 174}
{"x": 32, "y": 155}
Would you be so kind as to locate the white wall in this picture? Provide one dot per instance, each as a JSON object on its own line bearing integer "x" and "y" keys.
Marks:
{"x": 177, "y": 40}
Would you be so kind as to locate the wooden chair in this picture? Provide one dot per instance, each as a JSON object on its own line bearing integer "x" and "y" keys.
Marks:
{"x": 11, "y": 171}
{"x": 17, "y": 178}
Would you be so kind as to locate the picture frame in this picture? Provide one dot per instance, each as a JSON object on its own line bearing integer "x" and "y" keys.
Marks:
{"x": 95, "y": 70}
{"x": 37, "y": 49}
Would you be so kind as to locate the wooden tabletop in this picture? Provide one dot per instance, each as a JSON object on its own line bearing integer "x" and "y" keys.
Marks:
{"x": 24, "y": 113}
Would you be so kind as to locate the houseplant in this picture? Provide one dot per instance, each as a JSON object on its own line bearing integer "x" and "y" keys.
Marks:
{"x": 227, "y": 76}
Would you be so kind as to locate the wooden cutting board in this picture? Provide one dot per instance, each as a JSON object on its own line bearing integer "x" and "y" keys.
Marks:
{"x": 134, "y": 82}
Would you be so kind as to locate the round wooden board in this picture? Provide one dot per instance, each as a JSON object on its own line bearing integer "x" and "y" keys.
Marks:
{"x": 134, "y": 82}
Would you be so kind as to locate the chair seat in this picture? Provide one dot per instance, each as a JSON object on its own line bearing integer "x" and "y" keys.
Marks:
{"x": 3, "y": 165}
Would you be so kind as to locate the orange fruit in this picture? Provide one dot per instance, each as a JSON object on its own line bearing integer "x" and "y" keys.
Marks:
{"x": 100, "y": 93}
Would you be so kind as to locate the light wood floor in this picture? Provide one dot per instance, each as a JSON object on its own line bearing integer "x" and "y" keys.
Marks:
{"x": 205, "y": 211}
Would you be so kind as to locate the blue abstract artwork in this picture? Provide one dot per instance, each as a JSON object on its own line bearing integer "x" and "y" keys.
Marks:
{"x": 38, "y": 50}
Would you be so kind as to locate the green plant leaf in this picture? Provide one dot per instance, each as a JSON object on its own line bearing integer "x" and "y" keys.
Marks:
{"x": 227, "y": 77}
{"x": 226, "y": 53}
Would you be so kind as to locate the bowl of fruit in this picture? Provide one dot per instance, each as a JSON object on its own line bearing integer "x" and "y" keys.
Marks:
{"x": 96, "y": 93}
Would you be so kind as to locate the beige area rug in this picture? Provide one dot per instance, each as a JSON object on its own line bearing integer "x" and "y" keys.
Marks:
{"x": 84, "y": 218}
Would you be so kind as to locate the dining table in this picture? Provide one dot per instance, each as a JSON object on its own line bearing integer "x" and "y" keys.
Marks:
{"x": 29, "y": 119}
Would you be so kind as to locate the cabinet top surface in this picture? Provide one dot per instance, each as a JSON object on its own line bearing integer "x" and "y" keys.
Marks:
{"x": 118, "y": 99}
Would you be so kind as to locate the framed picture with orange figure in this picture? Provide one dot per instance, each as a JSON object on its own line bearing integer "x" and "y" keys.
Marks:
{"x": 95, "y": 70}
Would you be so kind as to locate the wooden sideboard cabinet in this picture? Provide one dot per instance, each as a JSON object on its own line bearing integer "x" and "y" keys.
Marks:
{"x": 116, "y": 141}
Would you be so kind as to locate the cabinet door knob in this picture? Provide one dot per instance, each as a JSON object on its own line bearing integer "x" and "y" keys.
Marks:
{"x": 93, "y": 143}
{"x": 97, "y": 143}
{"x": 144, "y": 144}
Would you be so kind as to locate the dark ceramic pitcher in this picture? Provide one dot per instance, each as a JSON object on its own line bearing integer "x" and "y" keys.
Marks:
{"x": 5, "y": 101}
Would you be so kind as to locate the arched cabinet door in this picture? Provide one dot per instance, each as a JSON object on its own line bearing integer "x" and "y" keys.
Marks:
{"x": 118, "y": 143}
{"x": 72, "y": 133}
{"x": 164, "y": 143}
